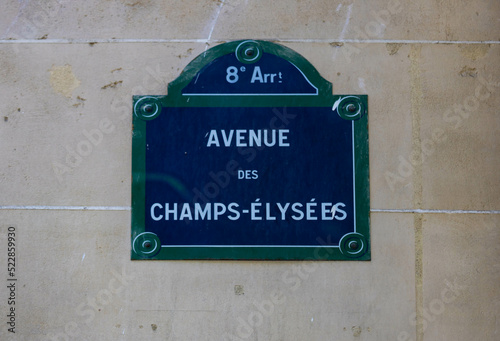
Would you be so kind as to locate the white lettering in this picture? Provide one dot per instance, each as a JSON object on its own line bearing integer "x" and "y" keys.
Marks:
{"x": 227, "y": 139}
{"x": 283, "y": 137}
{"x": 325, "y": 211}
{"x": 266, "y": 138}
{"x": 234, "y": 211}
{"x": 283, "y": 209}
{"x": 258, "y": 210}
{"x": 310, "y": 209}
{"x": 239, "y": 138}
{"x": 268, "y": 211}
{"x": 199, "y": 213}
{"x": 186, "y": 212}
{"x": 219, "y": 209}
{"x": 173, "y": 211}
{"x": 213, "y": 139}
{"x": 336, "y": 208}
{"x": 153, "y": 216}
{"x": 255, "y": 138}
{"x": 255, "y": 210}
{"x": 252, "y": 138}
{"x": 257, "y": 75}
{"x": 294, "y": 208}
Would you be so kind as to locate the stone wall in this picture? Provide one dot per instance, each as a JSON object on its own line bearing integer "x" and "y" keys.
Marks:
{"x": 68, "y": 71}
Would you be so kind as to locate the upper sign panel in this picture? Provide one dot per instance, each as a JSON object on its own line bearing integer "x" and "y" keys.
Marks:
{"x": 271, "y": 75}
{"x": 250, "y": 156}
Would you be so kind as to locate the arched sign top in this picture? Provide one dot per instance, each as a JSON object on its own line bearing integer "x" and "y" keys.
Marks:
{"x": 272, "y": 75}
{"x": 250, "y": 68}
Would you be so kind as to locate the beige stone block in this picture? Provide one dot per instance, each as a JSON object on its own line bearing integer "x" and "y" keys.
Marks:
{"x": 75, "y": 277}
{"x": 65, "y": 260}
{"x": 116, "y": 19}
{"x": 73, "y": 91}
{"x": 361, "y": 20}
{"x": 10, "y": 10}
{"x": 459, "y": 126}
{"x": 66, "y": 126}
{"x": 298, "y": 300}
{"x": 238, "y": 19}
{"x": 461, "y": 276}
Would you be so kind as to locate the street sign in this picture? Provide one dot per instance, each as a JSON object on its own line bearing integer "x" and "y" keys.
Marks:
{"x": 250, "y": 156}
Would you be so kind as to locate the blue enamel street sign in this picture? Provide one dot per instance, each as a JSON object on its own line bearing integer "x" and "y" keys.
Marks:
{"x": 250, "y": 156}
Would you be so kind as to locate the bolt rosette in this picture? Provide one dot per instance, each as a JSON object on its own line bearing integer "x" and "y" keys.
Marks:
{"x": 353, "y": 245}
{"x": 349, "y": 108}
{"x": 147, "y": 108}
{"x": 248, "y": 52}
{"x": 146, "y": 244}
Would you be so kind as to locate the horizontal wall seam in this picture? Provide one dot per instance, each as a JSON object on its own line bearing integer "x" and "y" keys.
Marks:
{"x": 362, "y": 41}
{"x": 433, "y": 211}
{"x": 385, "y": 41}
{"x": 68, "y": 208}
{"x": 128, "y": 208}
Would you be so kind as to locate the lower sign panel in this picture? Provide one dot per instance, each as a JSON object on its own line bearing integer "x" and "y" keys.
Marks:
{"x": 250, "y": 183}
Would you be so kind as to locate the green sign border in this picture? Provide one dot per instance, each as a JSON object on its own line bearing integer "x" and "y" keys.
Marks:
{"x": 353, "y": 246}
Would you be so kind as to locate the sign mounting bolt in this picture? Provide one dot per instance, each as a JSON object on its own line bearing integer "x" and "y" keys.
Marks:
{"x": 351, "y": 108}
{"x": 149, "y": 108}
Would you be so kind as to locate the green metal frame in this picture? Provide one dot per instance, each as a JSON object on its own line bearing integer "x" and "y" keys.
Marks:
{"x": 353, "y": 246}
